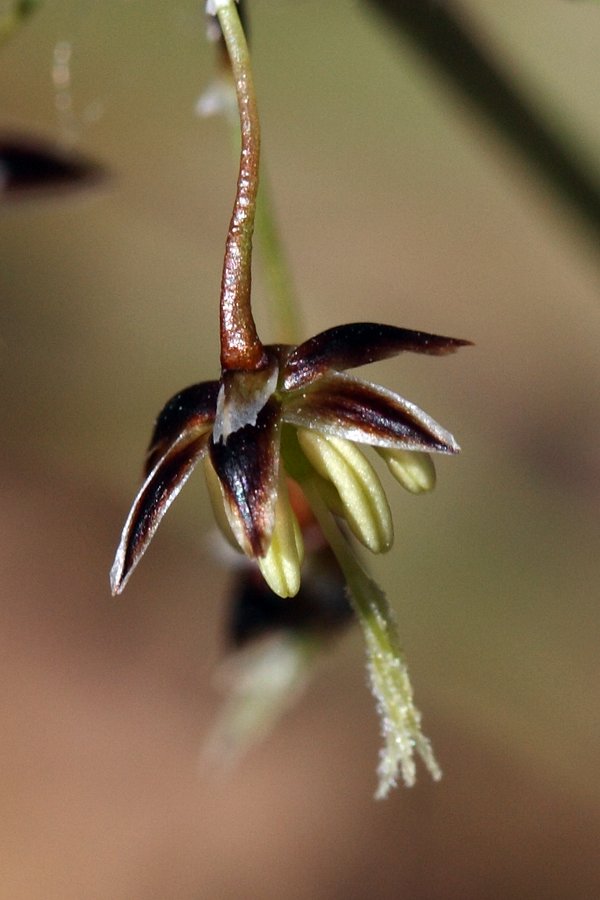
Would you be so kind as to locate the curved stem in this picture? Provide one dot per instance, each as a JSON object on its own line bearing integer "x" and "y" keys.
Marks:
{"x": 241, "y": 347}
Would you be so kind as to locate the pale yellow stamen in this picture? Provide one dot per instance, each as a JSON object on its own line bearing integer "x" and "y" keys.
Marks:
{"x": 280, "y": 566}
{"x": 415, "y": 471}
{"x": 362, "y": 496}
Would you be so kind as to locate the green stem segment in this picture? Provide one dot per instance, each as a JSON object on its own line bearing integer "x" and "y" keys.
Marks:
{"x": 388, "y": 673}
{"x": 241, "y": 347}
{"x": 278, "y": 279}
{"x": 261, "y": 682}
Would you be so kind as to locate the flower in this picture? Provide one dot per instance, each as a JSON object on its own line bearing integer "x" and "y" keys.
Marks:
{"x": 284, "y": 422}
{"x": 299, "y": 416}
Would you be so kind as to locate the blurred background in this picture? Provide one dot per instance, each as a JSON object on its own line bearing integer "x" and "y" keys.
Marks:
{"x": 396, "y": 204}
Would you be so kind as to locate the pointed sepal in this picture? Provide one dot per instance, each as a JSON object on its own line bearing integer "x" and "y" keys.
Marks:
{"x": 155, "y": 496}
{"x": 191, "y": 410}
{"x": 348, "y": 346}
{"x": 346, "y": 407}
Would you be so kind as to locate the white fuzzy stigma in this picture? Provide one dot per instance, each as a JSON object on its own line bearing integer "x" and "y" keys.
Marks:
{"x": 213, "y": 6}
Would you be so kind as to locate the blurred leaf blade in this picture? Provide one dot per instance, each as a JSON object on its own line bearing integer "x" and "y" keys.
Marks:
{"x": 443, "y": 33}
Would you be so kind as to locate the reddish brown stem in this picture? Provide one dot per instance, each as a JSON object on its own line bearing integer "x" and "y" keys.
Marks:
{"x": 241, "y": 347}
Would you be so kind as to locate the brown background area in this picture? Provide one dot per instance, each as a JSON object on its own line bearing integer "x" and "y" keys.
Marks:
{"x": 394, "y": 205}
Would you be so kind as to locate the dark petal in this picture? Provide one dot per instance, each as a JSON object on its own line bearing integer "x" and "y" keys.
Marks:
{"x": 358, "y": 411}
{"x": 347, "y": 346}
{"x": 192, "y": 409}
{"x": 247, "y": 466}
{"x": 153, "y": 500}
{"x": 29, "y": 167}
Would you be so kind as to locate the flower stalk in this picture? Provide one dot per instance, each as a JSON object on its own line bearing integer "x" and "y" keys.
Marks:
{"x": 219, "y": 98}
{"x": 241, "y": 347}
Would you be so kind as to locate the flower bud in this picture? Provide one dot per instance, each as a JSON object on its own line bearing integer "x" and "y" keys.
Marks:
{"x": 364, "y": 503}
{"x": 414, "y": 470}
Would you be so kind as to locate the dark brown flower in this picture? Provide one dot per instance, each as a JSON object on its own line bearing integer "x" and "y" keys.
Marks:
{"x": 299, "y": 412}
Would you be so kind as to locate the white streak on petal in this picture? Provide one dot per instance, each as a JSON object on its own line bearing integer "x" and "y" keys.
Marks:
{"x": 241, "y": 399}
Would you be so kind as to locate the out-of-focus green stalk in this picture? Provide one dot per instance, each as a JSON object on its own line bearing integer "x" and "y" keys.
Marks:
{"x": 260, "y": 683}
{"x": 280, "y": 289}
{"x": 442, "y": 31}
{"x": 14, "y": 17}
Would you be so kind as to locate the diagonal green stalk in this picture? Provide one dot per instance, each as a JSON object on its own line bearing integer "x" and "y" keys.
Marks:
{"x": 15, "y": 16}
{"x": 388, "y": 672}
{"x": 241, "y": 347}
{"x": 444, "y": 33}
{"x": 280, "y": 288}
{"x": 260, "y": 683}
